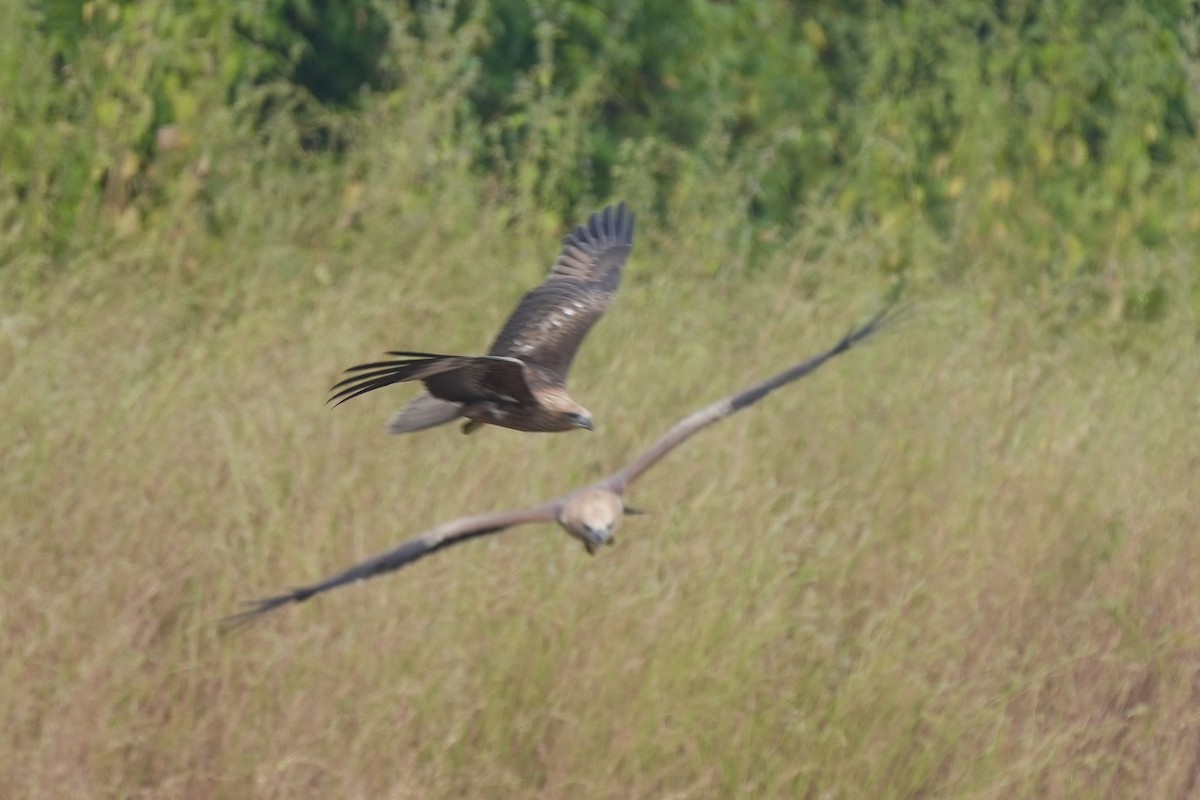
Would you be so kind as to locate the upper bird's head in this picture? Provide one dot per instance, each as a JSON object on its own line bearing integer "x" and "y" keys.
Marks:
{"x": 580, "y": 418}
{"x": 562, "y": 408}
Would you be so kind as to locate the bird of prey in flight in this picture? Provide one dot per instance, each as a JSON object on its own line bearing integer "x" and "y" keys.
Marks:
{"x": 521, "y": 382}
{"x": 589, "y": 514}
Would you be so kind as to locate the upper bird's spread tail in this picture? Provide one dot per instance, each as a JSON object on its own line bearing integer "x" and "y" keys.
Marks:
{"x": 423, "y": 411}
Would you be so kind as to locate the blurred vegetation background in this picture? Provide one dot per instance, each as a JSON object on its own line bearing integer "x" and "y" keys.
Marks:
{"x": 960, "y": 561}
{"x": 1055, "y": 141}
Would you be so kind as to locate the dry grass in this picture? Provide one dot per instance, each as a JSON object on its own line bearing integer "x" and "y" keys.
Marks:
{"x": 959, "y": 562}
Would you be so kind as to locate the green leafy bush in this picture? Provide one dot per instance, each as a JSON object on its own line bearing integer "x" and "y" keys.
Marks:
{"x": 1061, "y": 135}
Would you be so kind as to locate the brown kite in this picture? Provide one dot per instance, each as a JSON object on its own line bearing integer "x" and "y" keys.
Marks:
{"x": 589, "y": 514}
{"x": 521, "y": 382}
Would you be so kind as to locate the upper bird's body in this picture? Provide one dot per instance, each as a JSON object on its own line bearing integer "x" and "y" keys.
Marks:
{"x": 590, "y": 514}
{"x": 521, "y": 382}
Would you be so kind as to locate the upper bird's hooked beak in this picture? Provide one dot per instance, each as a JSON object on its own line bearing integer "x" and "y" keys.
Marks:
{"x": 582, "y": 420}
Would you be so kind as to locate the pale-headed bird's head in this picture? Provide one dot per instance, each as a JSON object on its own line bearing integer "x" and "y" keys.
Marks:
{"x": 591, "y": 516}
{"x": 596, "y": 536}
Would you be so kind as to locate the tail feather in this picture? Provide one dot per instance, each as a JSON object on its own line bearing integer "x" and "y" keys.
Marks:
{"x": 423, "y": 411}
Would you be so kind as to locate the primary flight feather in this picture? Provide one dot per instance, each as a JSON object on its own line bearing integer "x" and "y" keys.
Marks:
{"x": 590, "y": 514}
{"x": 521, "y": 382}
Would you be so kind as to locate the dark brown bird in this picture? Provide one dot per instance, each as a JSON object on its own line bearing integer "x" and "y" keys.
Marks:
{"x": 590, "y": 514}
{"x": 521, "y": 382}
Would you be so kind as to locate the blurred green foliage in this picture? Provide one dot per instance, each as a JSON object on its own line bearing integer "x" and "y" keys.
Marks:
{"x": 1060, "y": 134}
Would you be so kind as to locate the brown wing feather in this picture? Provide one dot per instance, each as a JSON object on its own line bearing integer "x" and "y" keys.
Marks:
{"x": 551, "y": 321}
{"x": 445, "y": 535}
{"x": 459, "y": 379}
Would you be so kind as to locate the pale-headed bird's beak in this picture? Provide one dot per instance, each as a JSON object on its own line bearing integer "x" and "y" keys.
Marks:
{"x": 595, "y": 538}
{"x": 582, "y": 421}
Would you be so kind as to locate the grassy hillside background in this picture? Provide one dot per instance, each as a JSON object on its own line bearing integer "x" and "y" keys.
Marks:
{"x": 960, "y": 561}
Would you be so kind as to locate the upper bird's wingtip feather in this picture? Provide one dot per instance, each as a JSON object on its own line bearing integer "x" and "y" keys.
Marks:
{"x": 594, "y": 251}
{"x": 626, "y": 220}
{"x": 611, "y": 226}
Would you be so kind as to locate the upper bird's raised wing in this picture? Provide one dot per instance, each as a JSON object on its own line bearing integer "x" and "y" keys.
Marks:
{"x": 459, "y": 379}
{"x": 445, "y": 535}
{"x": 693, "y": 423}
{"x": 551, "y": 321}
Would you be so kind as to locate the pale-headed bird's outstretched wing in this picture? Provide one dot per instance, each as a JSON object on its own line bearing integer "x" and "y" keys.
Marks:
{"x": 692, "y": 424}
{"x": 443, "y": 536}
